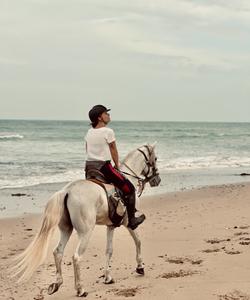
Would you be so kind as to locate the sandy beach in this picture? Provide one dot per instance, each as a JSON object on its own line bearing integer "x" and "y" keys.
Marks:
{"x": 196, "y": 245}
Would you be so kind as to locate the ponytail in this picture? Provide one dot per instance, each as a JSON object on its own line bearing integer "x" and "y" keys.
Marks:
{"x": 93, "y": 124}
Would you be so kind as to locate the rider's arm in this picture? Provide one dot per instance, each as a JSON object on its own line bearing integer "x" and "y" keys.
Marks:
{"x": 114, "y": 154}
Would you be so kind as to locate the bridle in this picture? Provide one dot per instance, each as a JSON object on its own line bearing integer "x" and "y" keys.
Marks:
{"x": 153, "y": 179}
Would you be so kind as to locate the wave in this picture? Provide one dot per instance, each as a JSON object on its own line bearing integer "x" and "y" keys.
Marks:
{"x": 6, "y": 163}
{"x": 190, "y": 135}
{"x": 35, "y": 180}
{"x": 209, "y": 162}
{"x": 164, "y": 165}
{"x": 10, "y": 136}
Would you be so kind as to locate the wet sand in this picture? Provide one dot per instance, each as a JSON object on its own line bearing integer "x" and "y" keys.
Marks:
{"x": 195, "y": 245}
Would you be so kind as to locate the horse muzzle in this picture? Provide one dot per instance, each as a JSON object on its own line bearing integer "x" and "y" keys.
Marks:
{"x": 155, "y": 180}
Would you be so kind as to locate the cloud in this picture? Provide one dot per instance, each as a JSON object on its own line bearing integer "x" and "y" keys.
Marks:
{"x": 110, "y": 19}
{"x": 11, "y": 61}
{"x": 177, "y": 30}
{"x": 188, "y": 33}
{"x": 143, "y": 37}
{"x": 166, "y": 50}
{"x": 202, "y": 10}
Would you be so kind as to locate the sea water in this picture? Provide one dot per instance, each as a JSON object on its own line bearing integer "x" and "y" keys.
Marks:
{"x": 189, "y": 154}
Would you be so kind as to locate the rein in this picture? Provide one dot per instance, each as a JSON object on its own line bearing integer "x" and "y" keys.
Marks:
{"x": 141, "y": 181}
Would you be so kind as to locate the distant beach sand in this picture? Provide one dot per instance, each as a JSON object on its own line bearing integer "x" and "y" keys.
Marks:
{"x": 196, "y": 245}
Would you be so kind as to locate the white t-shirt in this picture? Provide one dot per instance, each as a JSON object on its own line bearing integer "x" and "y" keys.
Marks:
{"x": 97, "y": 140}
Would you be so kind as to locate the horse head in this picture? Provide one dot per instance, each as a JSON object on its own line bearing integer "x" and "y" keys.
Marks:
{"x": 143, "y": 162}
{"x": 150, "y": 171}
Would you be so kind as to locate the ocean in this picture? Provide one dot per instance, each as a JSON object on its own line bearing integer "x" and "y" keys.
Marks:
{"x": 189, "y": 154}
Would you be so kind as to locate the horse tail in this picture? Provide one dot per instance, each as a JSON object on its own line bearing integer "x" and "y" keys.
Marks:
{"x": 30, "y": 259}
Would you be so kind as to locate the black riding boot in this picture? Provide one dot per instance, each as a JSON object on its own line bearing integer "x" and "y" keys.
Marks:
{"x": 133, "y": 221}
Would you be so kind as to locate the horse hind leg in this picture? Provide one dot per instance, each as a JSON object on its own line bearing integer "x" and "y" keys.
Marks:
{"x": 65, "y": 232}
{"x": 109, "y": 251}
{"x": 81, "y": 247}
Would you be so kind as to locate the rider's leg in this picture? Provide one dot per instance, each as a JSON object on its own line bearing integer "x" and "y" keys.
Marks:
{"x": 128, "y": 190}
{"x": 133, "y": 221}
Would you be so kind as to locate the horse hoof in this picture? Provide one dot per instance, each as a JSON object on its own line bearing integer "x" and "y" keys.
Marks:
{"x": 140, "y": 271}
{"x": 82, "y": 294}
{"x": 111, "y": 281}
{"x": 53, "y": 288}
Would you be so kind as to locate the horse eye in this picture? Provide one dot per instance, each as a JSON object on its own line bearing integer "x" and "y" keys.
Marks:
{"x": 156, "y": 159}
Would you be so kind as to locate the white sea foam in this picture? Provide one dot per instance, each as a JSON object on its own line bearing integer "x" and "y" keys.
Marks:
{"x": 9, "y": 136}
{"x": 34, "y": 180}
{"x": 209, "y": 162}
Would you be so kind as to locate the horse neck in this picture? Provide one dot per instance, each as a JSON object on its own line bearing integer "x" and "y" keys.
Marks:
{"x": 134, "y": 166}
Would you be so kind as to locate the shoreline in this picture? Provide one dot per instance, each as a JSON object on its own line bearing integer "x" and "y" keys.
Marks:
{"x": 172, "y": 181}
{"x": 32, "y": 199}
{"x": 17, "y": 202}
{"x": 195, "y": 244}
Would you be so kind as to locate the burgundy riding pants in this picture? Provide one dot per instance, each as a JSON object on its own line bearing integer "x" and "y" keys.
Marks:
{"x": 115, "y": 177}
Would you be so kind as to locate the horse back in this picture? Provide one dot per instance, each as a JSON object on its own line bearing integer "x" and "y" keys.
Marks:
{"x": 87, "y": 202}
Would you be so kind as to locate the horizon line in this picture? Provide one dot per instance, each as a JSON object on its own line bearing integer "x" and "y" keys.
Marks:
{"x": 159, "y": 121}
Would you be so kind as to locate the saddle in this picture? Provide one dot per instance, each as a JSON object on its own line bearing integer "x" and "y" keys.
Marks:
{"x": 96, "y": 174}
{"x": 116, "y": 206}
{"x": 92, "y": 171}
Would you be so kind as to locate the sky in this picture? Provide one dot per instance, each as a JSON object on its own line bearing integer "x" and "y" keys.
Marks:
{"x": 159, "y": 60}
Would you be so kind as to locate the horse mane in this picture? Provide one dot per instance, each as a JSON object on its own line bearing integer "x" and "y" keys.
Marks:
{"x": 131, "y": 153}
{"x": 128, "y": 156}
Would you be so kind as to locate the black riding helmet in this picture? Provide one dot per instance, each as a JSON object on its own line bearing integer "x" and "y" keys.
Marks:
{"x": 96, "y": 111}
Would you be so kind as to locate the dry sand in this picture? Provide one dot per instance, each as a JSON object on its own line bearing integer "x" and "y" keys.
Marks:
{"x": 196, "y": 245}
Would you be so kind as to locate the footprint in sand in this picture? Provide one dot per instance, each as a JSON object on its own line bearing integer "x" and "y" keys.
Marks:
{"x": 182, "y": 260}
{"x": 232, "y": 252}
{"x": 130, "y": 292}
{"x": 212, "y": 250}
{"x": 38, "y": 297}
{"x": 177, "y": 274}
{"x": 175, "y": 260}
{"x": 235, "y": 295}
{"x": 244, "y": 239}
{"x": 241, "y": 233}
{"x": 244, "y": 227}
{"x": 217, "y": 241}
{"x": 245, "y": 242}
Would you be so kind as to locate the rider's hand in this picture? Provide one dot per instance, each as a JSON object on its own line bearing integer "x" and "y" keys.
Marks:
{"x": 117, "y": 167}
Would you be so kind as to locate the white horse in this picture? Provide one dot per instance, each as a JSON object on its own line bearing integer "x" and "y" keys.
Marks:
{"x": 81, "y": 205}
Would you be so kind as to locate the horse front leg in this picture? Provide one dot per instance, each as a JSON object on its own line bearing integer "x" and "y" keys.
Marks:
{"x": 140, "y": 265}
{"x": 109, "y": 251}
{"x": 58, "y": 254}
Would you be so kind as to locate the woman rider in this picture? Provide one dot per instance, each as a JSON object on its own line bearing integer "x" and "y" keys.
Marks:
{"x": 101, "y": 148}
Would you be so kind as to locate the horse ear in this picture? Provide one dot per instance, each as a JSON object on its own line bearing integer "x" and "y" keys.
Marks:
{"x": 154, "y": 144}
